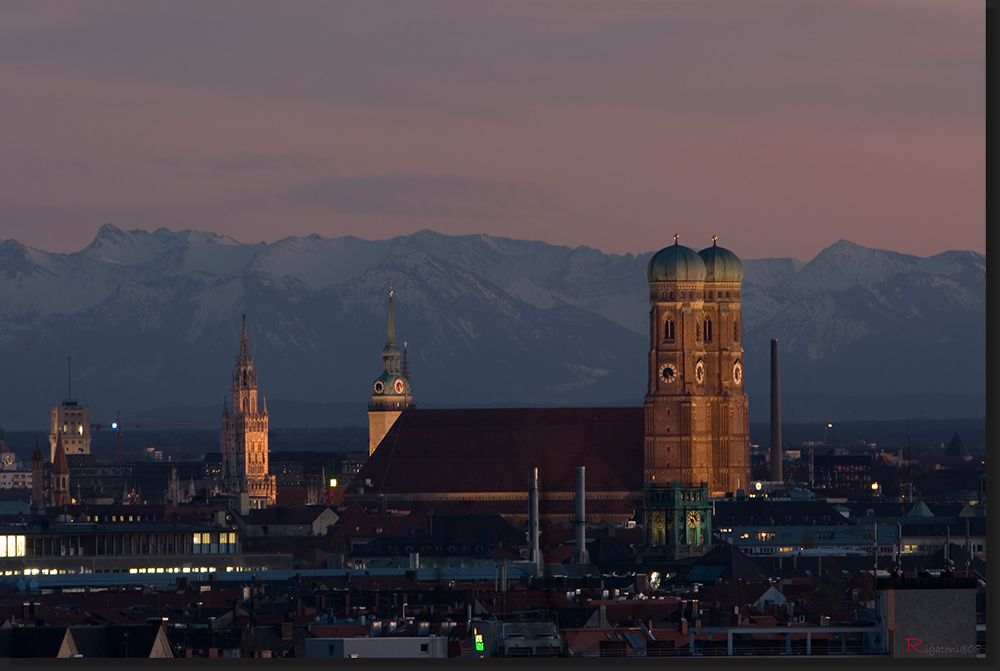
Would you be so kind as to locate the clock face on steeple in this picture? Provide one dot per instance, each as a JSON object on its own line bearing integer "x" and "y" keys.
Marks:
{"x": 379, "y": 387}
{"x": 737, "y": 372}
{"x": 398, "y": 386}
{"x": 668, "y": 372}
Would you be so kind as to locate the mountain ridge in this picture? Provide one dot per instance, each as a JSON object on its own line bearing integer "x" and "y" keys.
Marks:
{"x": 153, "y": 318}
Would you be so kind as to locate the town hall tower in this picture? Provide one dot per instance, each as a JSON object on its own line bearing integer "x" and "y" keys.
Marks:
{"x": 244, "y": 436}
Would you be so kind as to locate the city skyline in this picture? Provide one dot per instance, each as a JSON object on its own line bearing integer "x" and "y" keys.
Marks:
{"x": 781, "y": 128}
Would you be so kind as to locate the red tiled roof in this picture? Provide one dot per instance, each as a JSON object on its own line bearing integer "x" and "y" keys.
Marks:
{"x": 494, "y": 450}
{"x": 339, "y": 630}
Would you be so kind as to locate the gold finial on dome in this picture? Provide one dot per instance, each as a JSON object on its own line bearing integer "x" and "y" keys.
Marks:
{"x": 676, "y": 237}
{"x": 714, "y": 238}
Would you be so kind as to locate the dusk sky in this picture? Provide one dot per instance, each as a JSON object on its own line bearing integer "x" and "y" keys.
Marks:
{"x": 781, "y": 127}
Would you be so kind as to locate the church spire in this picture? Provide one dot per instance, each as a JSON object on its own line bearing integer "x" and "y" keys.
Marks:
{"x": 390, "y": 338}
{"x": 406, "y": 363}
{"x": 244, "y": 348}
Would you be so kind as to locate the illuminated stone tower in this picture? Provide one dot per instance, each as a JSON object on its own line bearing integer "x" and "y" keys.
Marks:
{"x": 244, "y": 435}
{"x": 696, "y": 408}
{"x": 391, "y": 391}
{"x": 72, "y": 422}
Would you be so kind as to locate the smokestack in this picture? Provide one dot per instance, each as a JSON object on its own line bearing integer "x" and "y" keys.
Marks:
{"x": 776, "y": 475}
{"x": 580, "y": 556}
{"x": 535, "y": 555}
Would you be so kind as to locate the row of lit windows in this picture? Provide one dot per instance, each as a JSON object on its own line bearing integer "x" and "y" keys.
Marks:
{"x": 12, "y": 546}
{"x": 206, "y": 538}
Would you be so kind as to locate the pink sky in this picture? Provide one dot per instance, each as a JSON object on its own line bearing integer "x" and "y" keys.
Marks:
{"x": 781, "y": 127}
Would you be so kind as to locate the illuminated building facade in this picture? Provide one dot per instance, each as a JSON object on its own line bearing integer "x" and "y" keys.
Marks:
{"x": 391, "y": 390}
{"x": 244, "y": 436}
{"x": 72, "y": 421}
{"x": 697, "y": 441}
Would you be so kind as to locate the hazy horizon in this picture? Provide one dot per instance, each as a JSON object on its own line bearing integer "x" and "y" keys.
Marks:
{"x": 780, "y": 126}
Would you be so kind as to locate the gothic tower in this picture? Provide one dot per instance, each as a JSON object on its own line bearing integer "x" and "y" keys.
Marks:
{"x": 391, "y": 391}
{"x": 60, "y": 475}
{"x": 37, "y": 480}
{"x": 244, "y": 435}
{"x": 696, "y": 408}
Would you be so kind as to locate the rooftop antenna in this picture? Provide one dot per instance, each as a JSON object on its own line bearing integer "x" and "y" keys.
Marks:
{"x": 69, "y": 378}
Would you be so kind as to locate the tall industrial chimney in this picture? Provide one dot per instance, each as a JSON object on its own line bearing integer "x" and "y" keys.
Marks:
{"x": 535, "y": 553}
{"x": 776, "y": 475}
{"x": 581, "y": 556}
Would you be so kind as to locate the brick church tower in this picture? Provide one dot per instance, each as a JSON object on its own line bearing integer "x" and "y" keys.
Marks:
{"x": 697, "y": 433}
{"x": 696, "y": 408}
{"x": 244, "y": 436}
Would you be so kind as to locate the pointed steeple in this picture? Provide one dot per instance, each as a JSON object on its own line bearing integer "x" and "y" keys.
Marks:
{"x": 406, "y": 363}
{"x": 60, "y": 475}
{"x": 244, "y": 348}
{"x": 37, "y": 486}
{"x": 390, "y": 338}
{"x": 59, "y": 464}
{"x": 36, "y": 454}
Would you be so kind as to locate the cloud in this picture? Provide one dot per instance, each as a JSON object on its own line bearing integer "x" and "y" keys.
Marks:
{"x": 421, "y": 195}
{"x": 878, "y": 61}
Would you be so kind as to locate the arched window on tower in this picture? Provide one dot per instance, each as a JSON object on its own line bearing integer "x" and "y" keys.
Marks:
{"x": 736, "y": 331}
{"x": 708, "y": 330}
{"x": 668, "y": 329}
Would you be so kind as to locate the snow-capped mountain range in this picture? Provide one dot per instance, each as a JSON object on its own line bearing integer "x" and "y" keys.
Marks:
{"x": 153, "y": 320}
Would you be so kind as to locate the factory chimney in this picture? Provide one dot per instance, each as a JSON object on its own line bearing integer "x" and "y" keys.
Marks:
{"x": 580, "y": 556}
{"x": 535, "y": 553}
{"x": 776, "y": 475}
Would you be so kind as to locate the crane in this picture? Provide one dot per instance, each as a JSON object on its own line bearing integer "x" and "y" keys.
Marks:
{"x": 117, "y": 425}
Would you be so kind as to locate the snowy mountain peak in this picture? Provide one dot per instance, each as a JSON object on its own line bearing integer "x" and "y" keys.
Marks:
{"x": 129, "y": 248}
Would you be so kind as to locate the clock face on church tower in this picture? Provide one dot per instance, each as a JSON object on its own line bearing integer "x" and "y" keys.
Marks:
{"x": 737, "y": 372}
{"x": 668, "y": 372}
{"x": 699, "y": 372}
{"x": 398, "y": 386}
{"x": 379, "y": 387}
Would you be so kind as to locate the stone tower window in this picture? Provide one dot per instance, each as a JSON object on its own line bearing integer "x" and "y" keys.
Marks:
{"x": 708, "y": 330}
{"x": 736, "y": 331}
{"x": 668, "y": 329}
{"x": 671, "y": 295}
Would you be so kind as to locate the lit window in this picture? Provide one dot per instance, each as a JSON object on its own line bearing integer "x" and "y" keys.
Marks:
{"x": 765, "y": 535}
